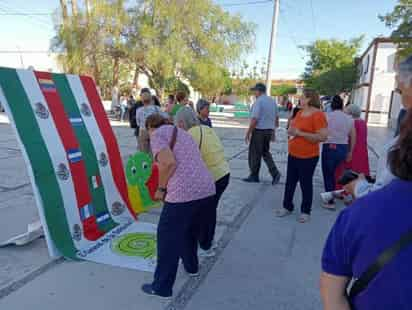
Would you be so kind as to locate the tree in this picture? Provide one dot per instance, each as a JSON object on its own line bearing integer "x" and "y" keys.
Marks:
{"x": 400, "y": 19}
{"x": 247, "y": 76}
{"x": 189, "y": 39}
{"x": 283, "y": 90}
{"x": 115, "y": 40}
{"x": 331, "y": 67}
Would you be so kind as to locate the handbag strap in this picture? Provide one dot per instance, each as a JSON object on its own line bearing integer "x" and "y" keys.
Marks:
{"x": 384, "y": 258}
{"x": 201, "y": 137}
{"x": 173, "y": 139}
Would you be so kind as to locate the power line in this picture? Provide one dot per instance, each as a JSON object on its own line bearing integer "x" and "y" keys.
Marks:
{"x": 313, "y": 17}
{"x": 27, "y": 14}
{"x": 246, "y": 3}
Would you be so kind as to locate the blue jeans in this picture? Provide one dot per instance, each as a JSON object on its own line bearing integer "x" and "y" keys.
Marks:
{"x": 333, "y": 155}
{"x": 300, "y": 170}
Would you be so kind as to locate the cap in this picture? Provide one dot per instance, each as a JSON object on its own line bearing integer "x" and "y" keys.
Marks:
{"x": 145, "y": 90}
{"x": 259, "y": 87}
{"x": 201, "y": 104}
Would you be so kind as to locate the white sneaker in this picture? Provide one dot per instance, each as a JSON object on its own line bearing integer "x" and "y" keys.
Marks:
{"x": 209, "y": 253}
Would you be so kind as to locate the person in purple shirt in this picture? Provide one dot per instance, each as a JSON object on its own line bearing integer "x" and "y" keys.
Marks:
{"x": 185, "y": 186}
{"x": 367, "y": 229}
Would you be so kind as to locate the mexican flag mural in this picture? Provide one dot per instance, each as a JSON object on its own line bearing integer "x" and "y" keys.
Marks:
{"x": 76, "y": 170}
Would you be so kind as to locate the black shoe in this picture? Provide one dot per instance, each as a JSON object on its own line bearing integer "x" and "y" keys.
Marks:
{"x": 276, "y": 179}
{"x": 251, "y": 179}
{"x": 148, "y": 290}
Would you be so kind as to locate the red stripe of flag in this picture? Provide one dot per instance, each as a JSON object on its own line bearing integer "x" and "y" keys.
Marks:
{"x": 115, "y": 158}
{"x": 69, "y": 140}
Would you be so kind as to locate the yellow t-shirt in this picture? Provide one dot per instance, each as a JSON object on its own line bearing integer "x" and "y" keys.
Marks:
{"x": 211, "y": 149}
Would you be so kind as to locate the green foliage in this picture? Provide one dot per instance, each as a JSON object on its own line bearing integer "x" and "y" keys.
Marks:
{"x": 331, "y": 68}
{"x": 283, "y": 90}
{"x": 247, "y": 76}
{"x": 400, "y": 19}
{"x": 189, "y": 40}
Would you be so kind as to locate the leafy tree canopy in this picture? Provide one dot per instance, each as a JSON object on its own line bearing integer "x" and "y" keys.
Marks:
{"x": 400, "y": 19}
{"x": 191, "y": 40}
{"x": 331, "y": 67}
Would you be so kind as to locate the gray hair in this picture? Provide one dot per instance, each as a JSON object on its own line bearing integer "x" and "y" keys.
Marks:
{"x": 354, "y": 110}
{"x": 201, "y": 104}
{"x": 188, "y": 117}
{"x": 405, "y": 70}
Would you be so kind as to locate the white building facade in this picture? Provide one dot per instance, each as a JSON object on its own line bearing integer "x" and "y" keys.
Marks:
{"x": 375, "y": 91}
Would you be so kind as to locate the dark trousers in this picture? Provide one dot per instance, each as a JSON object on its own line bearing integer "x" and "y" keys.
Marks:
{"x": 332, "y": 156}
{"x": 208, "y": 215}
{"x": 259, "y": 148}
{"x": 300, "y": 170}
{"x": 177, "y": 233}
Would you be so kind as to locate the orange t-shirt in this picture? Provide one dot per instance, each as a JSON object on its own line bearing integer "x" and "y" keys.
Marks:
{"x": 300, "y": 147}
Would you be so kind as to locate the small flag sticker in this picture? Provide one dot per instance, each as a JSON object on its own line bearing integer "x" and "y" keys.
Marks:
{"x": 86, "y": 212}
{"x": 74, "y": 155}
{"x": 76, "y": 121}
{"x": 47, "y": 85}
{"x": 96, "y": 181}
{"x": 102, "y": 218}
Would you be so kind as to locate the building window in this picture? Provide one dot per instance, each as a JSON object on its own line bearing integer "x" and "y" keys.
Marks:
{"x": 367, "y": 65}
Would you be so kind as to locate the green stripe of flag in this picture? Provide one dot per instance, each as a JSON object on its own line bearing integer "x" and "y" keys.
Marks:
{"x": 38, "y": 154}
{"x": 86, "y": 148}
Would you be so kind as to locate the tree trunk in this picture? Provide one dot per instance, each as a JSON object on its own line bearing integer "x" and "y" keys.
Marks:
{"x": 116, "y": 71}
{"x": 65, "y": 14}
{"x": 96, "y": 69}
{"x": 136, "y": 76}
{"x": 75, "y": 8}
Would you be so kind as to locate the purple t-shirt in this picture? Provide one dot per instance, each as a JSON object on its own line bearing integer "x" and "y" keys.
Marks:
{"x": 191, "y": 180}
{"x": 361, "y": 233}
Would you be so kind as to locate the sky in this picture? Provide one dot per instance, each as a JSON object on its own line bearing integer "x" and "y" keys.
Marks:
{"x": 298, "y": 25}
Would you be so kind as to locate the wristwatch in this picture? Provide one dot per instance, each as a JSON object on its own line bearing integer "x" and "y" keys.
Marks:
{"x": 162, "y": 190}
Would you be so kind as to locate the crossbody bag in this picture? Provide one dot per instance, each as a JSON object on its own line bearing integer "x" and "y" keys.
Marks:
{"x": 360, "y": 284}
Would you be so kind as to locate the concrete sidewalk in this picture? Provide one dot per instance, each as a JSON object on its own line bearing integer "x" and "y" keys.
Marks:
{"x": 262, "y": 261}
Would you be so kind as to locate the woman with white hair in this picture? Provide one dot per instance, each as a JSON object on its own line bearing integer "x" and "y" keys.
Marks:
{"x": 213, "y": 155}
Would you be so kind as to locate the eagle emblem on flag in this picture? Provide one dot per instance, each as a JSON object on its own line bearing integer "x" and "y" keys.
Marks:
{"x": 77, "y": 232}
{"x": 84, "y": 108}
{"x": 103, "y": 160}
{"x": 41, "y": 111}
{"x": 62, "y": 172}
{"x": 117, "y": 208}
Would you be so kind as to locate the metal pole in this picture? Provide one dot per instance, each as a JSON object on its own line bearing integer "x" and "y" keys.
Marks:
{"x": 272, "y": 46}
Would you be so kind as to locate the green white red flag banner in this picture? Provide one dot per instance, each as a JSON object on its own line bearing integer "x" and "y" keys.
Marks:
{"x": 76, "y": 169}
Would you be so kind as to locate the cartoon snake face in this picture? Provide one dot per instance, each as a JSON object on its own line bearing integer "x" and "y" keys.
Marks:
{"x": 139, "y": 168}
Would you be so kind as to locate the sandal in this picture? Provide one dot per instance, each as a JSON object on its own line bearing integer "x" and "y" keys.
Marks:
{"x": 304, "y": 218}
{"x": 283, "y": 212}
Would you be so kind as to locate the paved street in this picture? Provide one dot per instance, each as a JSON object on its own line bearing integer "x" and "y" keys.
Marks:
{"x": 263, "y": 262}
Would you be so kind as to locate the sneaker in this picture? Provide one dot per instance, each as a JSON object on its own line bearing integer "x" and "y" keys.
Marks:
{"x": 148, "y": 290}
{"x": 304, "y": 218}
{"x": 206, "y": 253}
{"x": 327, "y": 197}
{"x": 276, "y": 179}
{"x": 251, "y": 179}
{"x": 283, "y": 212}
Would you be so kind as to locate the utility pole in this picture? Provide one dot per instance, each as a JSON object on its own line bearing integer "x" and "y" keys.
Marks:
{"x": 272, "y": 46}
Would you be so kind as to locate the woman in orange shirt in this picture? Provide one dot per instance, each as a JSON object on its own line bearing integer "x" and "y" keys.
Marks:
{"x": 307, "y": 130}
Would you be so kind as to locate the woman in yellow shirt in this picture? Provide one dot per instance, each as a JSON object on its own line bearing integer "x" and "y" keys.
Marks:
{"x": 213, "y": 155}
